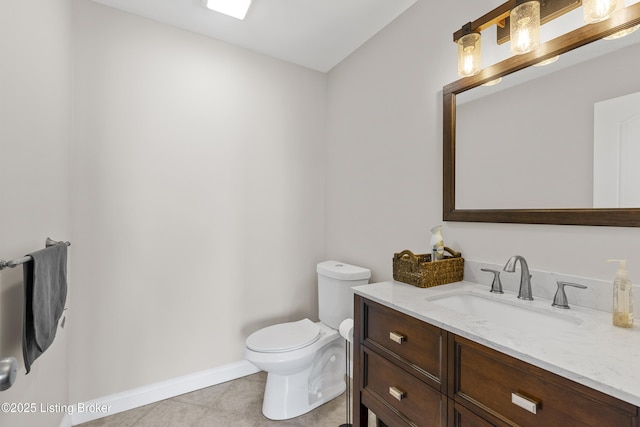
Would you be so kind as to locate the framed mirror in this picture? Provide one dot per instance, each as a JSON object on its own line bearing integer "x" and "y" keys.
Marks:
{"x": 503, "y": 167}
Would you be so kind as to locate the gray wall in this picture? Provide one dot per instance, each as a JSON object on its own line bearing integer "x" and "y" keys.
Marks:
{"x": 35, "y": 130}
{"x": 207, "y": 181}
{"x": 198, "y": 199}
{"x": 384, "y": 172}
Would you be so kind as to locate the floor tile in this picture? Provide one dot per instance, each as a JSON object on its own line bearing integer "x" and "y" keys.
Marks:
{"x": 307, "y": 420}
{"x": 236, "y": 403}
{"x": 332, "y": 413}
{"x": 123, "y": 419}
{"x": 205, "y": 397}
{"x": 243, "y": 395}
{"x": 171, "y": 413}
{"x": 221, "y": 418}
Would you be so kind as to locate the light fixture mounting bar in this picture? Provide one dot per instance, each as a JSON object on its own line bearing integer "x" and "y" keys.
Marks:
{"x": 549, "y": 10}
{"x": 496, "y": 16}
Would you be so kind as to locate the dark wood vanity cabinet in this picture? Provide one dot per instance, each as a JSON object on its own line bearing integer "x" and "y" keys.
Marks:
{"x": 399, "y": 369}
{"x": 488, "y": 381}
{"x": 459, "y": 416}
{"x": 410, "y": 373}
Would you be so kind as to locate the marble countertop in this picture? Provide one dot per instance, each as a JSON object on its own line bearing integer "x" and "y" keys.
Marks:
{"x": 587, "y": 349}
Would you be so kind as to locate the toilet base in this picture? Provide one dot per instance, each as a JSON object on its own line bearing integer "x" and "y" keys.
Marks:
{"x": 289, "y": 396}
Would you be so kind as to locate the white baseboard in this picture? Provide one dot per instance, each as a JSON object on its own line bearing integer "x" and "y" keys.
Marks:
{"x": 110, "y": 405}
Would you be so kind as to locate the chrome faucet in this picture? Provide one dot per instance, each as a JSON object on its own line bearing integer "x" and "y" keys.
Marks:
{"x": 525, "y": 278}
{"x": 496, "y": 285}
{"x": 560, "y": 299}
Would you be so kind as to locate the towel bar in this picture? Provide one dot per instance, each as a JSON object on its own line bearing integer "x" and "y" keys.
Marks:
{"x": 16, "y": 262}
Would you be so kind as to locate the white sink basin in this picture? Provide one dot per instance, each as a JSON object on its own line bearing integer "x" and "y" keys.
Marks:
{"x": 512, "y": 314}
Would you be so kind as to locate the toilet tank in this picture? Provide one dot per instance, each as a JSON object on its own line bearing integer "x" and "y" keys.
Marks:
{"x": 335, "y": 296}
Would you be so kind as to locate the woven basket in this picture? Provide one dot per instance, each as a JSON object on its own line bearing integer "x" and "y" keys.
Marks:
{"x": 420, "y": 271}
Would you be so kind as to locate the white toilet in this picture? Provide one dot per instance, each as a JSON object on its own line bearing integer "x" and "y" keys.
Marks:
{"x": 305, "y": 361}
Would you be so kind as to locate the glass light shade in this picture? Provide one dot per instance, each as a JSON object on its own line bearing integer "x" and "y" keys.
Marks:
{"x": 492, "y": 82}
{"x": 547, "y": 61}
{"x": 622, "y": 33}
{"x": 469, "y": 54}
{"x": 599, "y": 10}
{"x": 525, "y": 27}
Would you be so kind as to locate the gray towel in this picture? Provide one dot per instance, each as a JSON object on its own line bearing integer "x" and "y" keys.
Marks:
{"x": 45, "y": 284}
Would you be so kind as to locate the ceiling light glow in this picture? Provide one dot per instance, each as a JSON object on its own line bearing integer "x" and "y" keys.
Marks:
{"x": 235, "y": 8}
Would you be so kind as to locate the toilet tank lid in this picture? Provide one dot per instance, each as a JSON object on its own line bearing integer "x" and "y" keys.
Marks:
{"x": 343, "y": 271}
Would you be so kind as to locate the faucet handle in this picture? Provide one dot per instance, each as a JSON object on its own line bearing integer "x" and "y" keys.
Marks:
{"x": 496, "y": 285}
{"x": 560, "y": 299}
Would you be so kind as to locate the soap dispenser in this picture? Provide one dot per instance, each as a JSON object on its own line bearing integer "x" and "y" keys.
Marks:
{"x": 622, "y": 296}
{"x": 437, "y": 244}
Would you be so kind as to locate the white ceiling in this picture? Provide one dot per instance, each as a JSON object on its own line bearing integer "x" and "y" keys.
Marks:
{"x": 316, "y": 34}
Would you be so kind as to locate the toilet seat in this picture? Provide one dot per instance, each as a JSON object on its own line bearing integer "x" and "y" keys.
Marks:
{"x": 284, "y": 337}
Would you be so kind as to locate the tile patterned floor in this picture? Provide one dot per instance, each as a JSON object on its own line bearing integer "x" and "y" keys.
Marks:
{"x": 236, "y": 403}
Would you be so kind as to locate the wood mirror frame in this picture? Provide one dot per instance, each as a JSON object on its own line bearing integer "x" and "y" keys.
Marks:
{"x": 620, "y": 217}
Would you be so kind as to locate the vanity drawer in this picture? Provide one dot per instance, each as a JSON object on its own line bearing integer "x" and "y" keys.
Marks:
{"x": 488, "y": 381}
{"x": 459, "y": 416}
{"x": 415, "y": 343}
{"x": 413, "y": 401}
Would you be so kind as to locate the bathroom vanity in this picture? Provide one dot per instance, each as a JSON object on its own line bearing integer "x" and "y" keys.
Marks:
{"x": 421, "y": 358}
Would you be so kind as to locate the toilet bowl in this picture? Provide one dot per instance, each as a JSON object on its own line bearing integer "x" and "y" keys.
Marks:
{"x": 305, "y": 360}
{"x": 292, "y": 388}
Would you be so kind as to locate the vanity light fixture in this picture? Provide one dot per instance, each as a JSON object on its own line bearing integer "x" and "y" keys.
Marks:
{"x": 519, "y": 21}
{"x": 547, "y": 61}
{"x": 599, "y": 10}
{"x": 617, "y": 5}
{"x": 622, "y": 33}
{"x": 525, "y": 26}
{"x": 235, "y": 8}
{"x": 469, "y": 52}
{"x": 492, "y": 82}
{"x": 516, "y": 20}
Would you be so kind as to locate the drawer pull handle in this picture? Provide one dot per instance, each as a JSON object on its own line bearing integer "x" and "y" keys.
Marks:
{"x": 524, "y": 402}
{"x": 396, "y": 337}
{"x": 397, "y": 393}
